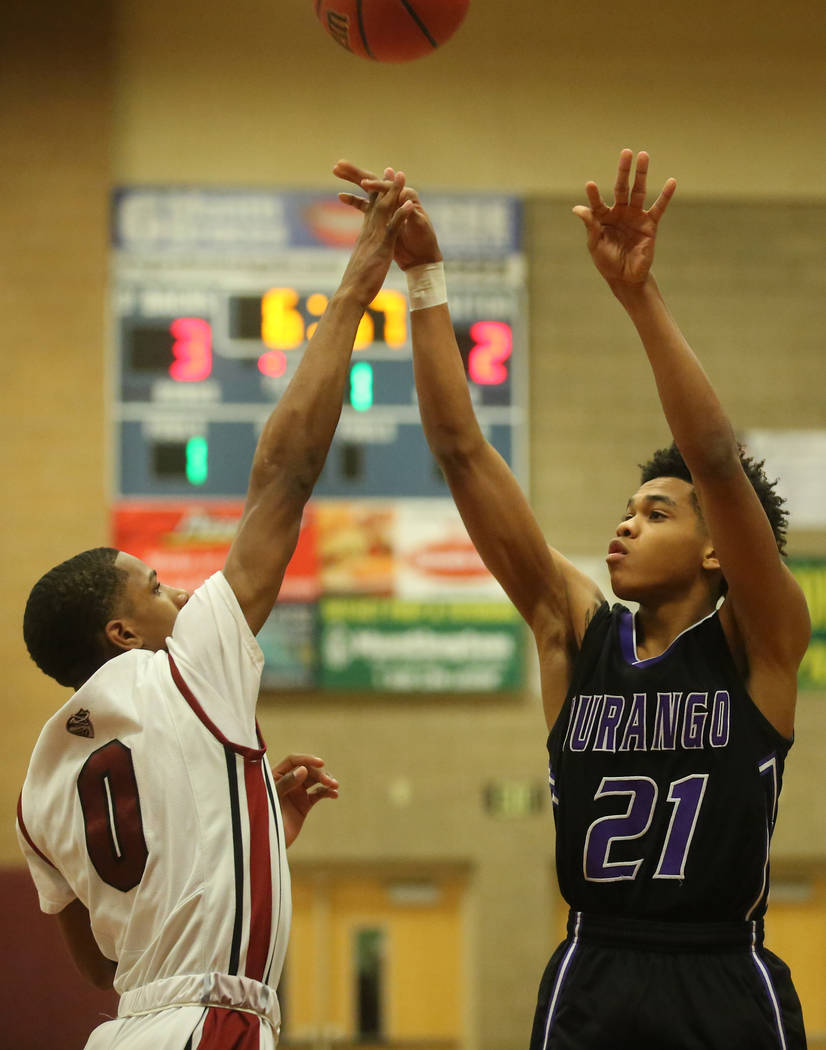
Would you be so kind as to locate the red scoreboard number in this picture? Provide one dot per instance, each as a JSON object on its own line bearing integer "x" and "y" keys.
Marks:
{"x": 288, "y": 320}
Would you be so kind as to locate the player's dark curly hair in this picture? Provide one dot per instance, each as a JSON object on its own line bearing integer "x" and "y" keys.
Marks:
{"x": 67, "y": 611}
{"x": 669, "y": 463}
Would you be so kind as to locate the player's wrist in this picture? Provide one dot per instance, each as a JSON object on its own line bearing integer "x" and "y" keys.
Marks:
{"x": 633, "y": 293}
{"x": 350, "y": 297}
{"x": 426, "y": 285}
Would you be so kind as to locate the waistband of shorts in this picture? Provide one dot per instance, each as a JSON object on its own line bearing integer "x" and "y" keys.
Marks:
{"x": 643, "y": 934}
{"x": 208, "y": 989}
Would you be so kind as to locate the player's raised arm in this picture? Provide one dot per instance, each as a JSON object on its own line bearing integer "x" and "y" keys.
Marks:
{"x": 765, "y": 614}
{"x": 553, "y": 597}
{"x": 296, "y": 438}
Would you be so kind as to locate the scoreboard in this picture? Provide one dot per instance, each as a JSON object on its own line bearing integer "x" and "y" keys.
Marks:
{"x": 215, "y": 294}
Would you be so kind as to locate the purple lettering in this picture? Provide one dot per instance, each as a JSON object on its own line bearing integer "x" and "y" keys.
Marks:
{"x": 583, "y": 724}
{"x": 606, "y": 735}
{"x": 634, "y": 737}
{"x": 718, "y": 734}
{"x": 665, "y": 721}
{"x": 696, "y": 713}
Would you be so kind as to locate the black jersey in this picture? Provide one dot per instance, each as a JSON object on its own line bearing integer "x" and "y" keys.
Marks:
{"x": 665, "y": 779}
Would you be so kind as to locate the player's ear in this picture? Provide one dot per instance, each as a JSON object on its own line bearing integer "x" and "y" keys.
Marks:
{"x": 121, "y": 635}
{"x": 711, "y": 563}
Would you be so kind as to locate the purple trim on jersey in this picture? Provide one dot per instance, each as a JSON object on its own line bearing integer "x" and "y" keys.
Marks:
{"x": 772, "y": 994}
{"x": 186, "y": 693}
{"x": 628, "y": 640}
{"x": 626, "y": 637}
{"x": 561, "y": 974}
{"x": 26, "y": 834}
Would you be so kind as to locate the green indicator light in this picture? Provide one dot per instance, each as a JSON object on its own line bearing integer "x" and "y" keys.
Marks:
{"x": 361, "y": 386}
{"x": 196, "y": 460}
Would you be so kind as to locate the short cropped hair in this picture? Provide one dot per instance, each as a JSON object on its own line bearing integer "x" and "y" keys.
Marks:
{"x": 669, "y": 463}
{"x": 67, "y": 611}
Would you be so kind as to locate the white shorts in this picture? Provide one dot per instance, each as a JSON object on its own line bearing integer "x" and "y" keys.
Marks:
{"x": 185, "y": 1028}
{"x": 210, "y": 1012}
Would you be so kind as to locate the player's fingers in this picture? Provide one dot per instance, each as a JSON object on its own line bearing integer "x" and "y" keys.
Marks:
{"x": 345, "y": 169}
{"x": 294, "y": 759}
{"x": 391, "y": 181}
{"x": 623, "y": 169}
{"x": 355, "y": 202}
{"x": 586, "y": 215}
{"x": 319, "y": 775}
{"x": 661, "y": 203}
{"x": 595, "y": 201}
{"x": 400, "y": 214}
{"x": 637, "y": 198}
{"x": 290, "y": 781}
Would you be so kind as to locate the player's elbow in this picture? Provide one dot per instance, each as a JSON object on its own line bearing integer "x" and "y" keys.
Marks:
{"x": 455, "y": 448}
{"x": 98, "y": 971}
{"x": 716, "y": 457}
{"x": 103, "y": 976}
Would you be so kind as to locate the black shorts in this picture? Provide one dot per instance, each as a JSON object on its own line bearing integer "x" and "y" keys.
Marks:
{"x": 618, "y": 984}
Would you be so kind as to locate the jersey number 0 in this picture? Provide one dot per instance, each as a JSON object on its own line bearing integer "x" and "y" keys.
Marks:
{"x": 111, "y": 808}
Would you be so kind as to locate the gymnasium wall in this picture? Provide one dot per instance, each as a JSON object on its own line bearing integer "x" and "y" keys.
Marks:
{"x": 528, "y": 98}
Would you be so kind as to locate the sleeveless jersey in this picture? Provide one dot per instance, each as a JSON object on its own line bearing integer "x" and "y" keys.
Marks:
{"x": 664, "y": 778}
{"x": 149, "y": 797}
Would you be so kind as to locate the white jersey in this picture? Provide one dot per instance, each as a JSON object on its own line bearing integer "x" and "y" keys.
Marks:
{"x": 150, "y": 799}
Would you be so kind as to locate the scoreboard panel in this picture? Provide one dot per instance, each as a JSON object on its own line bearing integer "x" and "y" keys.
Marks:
{"x": 210, "y": 320}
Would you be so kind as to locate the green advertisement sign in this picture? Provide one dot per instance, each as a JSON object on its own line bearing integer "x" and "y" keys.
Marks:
{"x": 811, "y": 575}
{"x": 396, "y": 645}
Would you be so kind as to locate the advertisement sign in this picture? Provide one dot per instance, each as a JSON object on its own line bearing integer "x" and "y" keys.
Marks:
{"x": 379, "y": 595}
{"x": 395, "y": 645}
{"x": 810, "y": 573}
{"x": 186, "y": 542}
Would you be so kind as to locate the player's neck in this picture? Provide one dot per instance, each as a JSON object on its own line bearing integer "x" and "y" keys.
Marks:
{"x": 658, "y": 623}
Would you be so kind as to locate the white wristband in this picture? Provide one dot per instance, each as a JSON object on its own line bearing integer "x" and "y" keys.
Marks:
{"x": 426, "y": 285}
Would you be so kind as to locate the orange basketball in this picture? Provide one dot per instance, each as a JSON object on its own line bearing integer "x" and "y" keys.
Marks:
{"x": 391, "y": 30}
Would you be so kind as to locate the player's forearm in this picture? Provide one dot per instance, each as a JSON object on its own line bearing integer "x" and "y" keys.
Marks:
{"x": 88, "y": 958}
{"x": 694, "y": 413}
{"x": 445, "y": 406}
{"x": 296, "y": 438}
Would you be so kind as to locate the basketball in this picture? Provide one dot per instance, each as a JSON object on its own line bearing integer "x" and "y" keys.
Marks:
{"x": 391, "y": 30}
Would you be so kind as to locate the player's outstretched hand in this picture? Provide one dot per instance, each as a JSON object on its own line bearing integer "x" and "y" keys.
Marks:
{"x": 301, "y": 781}
{"x": 416, "y": 242}
{"x": 384, "y": 214}
{"x": 621, "y": 238}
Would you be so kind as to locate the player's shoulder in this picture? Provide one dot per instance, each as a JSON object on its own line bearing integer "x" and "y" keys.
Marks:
{"x": 211, "y": 626}
{"x": 212, "y": 604}
{"x": 111, "y": 699}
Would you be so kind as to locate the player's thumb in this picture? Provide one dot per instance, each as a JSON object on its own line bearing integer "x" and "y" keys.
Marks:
{"x": 586, "y": 215}
{"x": 295, "y": 778}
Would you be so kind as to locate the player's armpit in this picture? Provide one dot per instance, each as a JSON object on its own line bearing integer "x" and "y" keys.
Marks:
{"x": 87, "y": 956}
